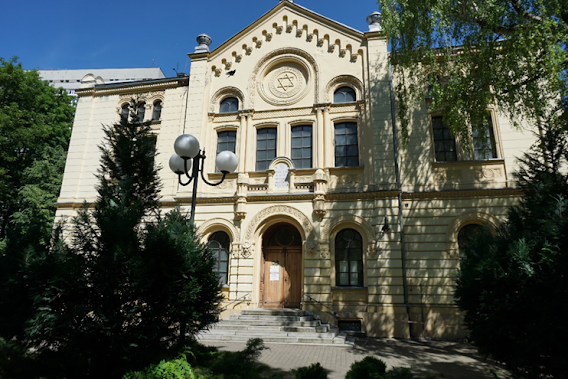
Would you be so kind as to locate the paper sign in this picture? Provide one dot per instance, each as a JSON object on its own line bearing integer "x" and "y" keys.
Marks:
{"x": 274, "y": 273}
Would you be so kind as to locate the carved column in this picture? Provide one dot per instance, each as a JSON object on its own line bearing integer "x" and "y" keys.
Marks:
{"x": 320, "y": 189}
{"x": 319, "y": 136}
{"x": 328, "y": 132}
{"x": 242, "y": 192}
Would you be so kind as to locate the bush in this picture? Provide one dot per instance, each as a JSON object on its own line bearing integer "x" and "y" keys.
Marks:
{"x": 368, "y": 368}
{"x": 174, "y": 369}
{"x": 313, "y": 371}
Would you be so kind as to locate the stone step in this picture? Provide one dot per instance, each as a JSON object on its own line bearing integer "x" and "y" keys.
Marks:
{"x": 268, "y": 317}
{"x": 262, "y": 334}
{"x": 274, "y": 312}
{"x": 272, "y": 328}
{"x": 279, "y": 339}
{"x": 236, "y": 321}
{"x": 273, "y": 325}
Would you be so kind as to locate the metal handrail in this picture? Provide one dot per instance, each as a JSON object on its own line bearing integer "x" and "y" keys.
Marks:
{"x": 335, "y": 314}
{"x": 236, "y": 300}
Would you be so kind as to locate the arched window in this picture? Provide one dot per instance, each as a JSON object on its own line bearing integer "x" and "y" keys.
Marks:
{"x": 228, "y": 105}
{"x": 344, "y": 95}
{"x": 124, "y": 112}
{"x": 141, "y": 111}
{"x": 349, "y": 259}
{"x": 157, "y": 112}
{"x": 466, "y": 236}
{"x": 219, "y": 244}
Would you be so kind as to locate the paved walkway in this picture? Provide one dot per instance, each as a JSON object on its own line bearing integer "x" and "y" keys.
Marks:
{"x": 453, "y": 359}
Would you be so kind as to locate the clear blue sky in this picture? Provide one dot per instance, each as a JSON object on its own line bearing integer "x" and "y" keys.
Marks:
{"x": 65, "y": 34}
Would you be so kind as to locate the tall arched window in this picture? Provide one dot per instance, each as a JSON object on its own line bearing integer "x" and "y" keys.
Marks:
{"x": 219, "y": 244}
{"x": 228, "y": 105}
{"x": 344, "y": 95}
{"x": 349, "y": 258}
{"x": 124, "y": 112}
{"x": 141, "y": 111}
{"x": 157, "y": 112}
{"x": 466, "y": 236}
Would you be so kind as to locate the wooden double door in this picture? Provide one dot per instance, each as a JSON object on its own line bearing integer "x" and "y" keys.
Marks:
{"x": 281, "y": 279}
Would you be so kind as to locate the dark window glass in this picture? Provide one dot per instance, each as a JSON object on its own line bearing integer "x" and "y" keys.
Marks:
{"x": 349, "y": 258}
{"x": 346, "y": 145}
{"x": 124, "y": 112}
{"x": 219, "y": 245}
{"x": 484, "y": 139}
{"x": 344, "y": 95}
{"x": 466, "y": 236}
{"x": 265, "y": 148}
{"x": 226, "y": 141}
{"x": 141, "y": 111}
{"x": 157, "y": 113}
{"x": 302, "y": 146}
{"x": 228, "y": 105}
{"x": 444, "y": 142}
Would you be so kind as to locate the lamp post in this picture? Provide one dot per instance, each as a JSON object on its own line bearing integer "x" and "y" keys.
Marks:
{"x": 189, "y": 157}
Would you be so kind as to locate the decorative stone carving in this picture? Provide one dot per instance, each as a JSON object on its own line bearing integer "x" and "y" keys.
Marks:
{"x": 354, "y": 57}
{"x": 319, "y": 206}
{"x": 489, "y": 173}
{"x": 320, "y": 42}
{"x": 268, "y": 37}
{"x": 248, "y": 50}
{"x": 310, "y": 248}
{"x": 299, "y": 32}
{"x": 228, "y": 65}
{"x": 286, "y": 82}
{"x": 324, "y": 251}
{"x": 331, "y": 48}
{"x": 238, "y": 58}
{"x": 342, "y": 80}
{"x": 372, "y": 249}
{"x": 286, "y": 210}
{"x": 247, "y": 249}
{"x": 310, "y": 37}
{"x": 342, "y": 53}
{"x": 258, "y": 43}
{"x": 227, "y": 184}
{"x": 346, "y": 180}
{"x": 289, "y": 28}
{"x": 217, "y": 71}
{"x": 279, "y": 29}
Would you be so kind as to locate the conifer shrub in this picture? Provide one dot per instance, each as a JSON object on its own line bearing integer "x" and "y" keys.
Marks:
{"x": 313, "y": 371}
{"x": 368, "y": 368}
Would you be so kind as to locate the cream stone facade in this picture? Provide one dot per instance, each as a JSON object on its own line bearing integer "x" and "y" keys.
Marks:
{"x": 314, "y": 217}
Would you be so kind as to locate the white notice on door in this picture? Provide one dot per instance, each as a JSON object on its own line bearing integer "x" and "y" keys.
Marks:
{"x": 274, "y": 273}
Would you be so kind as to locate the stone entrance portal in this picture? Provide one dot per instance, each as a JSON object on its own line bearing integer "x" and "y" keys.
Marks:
{"x": 281, "y": 276}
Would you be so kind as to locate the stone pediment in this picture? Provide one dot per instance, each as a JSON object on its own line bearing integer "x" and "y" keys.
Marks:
{"x": 287, "y": 24}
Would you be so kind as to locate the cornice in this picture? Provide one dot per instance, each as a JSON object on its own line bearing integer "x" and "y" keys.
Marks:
{"x": 130, "y": 88}
{"x": 330, "y": 196}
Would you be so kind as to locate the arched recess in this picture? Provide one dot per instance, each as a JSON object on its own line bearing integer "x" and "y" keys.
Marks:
{"x": 223, "y": 93}
{"x": 278, "y": 213}
{"x": 460, "y": 221}
{"x": 215, "y": 224}
{"x": 358, "y": 223}
{"x": 340, "y": 81}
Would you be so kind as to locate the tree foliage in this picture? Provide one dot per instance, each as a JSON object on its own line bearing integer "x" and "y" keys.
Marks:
{"x": 127, "y": 289}
{"x": 35, "y": 127}
{"x": 469, "y": 55}
{"x": 513, "y": 284}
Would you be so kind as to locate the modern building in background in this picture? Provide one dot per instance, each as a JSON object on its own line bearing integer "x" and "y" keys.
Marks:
{"x": 70, "y": 80}
{"x": 320, "y": 215}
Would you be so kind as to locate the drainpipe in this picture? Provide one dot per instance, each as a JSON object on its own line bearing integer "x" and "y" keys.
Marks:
{"x": 400, "y": 217}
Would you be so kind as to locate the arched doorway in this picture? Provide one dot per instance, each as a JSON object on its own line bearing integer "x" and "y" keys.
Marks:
{"x": 281, "y": 276}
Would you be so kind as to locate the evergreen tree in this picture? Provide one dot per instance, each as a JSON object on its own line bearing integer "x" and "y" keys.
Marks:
{"x": 513, "y": 284}
{"x": 131, "y": 285}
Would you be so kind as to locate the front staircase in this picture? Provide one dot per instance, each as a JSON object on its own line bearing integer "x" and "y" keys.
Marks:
{"x": 274, "y": 325}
